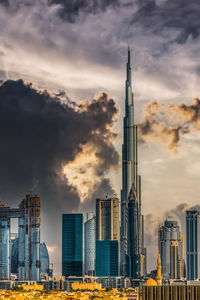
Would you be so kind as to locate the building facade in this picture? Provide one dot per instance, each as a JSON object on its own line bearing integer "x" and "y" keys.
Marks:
{"x": 132, "y": 259}
{"x": 90, "y": 245}
{"x": 44, "y": 259}
{"x": 107, "y": 258}
{"x": 72, "y": 245}
{"x": 107, "y": 219}
{"x": 28, "y": 215}
{"x": 107, "y": 237}
{"x": 193, "y": 244}
{"x": 170, "y": 248}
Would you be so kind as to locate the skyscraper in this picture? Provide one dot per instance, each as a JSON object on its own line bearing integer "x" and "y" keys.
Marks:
{"x": 170, "y": 248}
{"x": 28, "y": 215}
{"x": 174, "y": 255}
{"x": 4, "y": 248}
{"x": 44, "y": 259}
{"x": 72, "y": 245}
{"x": 107, "y": 219}
{"x": 107, "y": 237}
{"x": 193, "y": 244}
{"x": 107, "y": 258}
{"x": 90, "y": 245}
{"x": 132, "y": 262}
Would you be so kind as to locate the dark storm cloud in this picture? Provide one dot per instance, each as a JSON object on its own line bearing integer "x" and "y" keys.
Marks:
{"x": 71, "y": 9}
{"x": 39, "y": 135}
{"x": 179, "y": 15}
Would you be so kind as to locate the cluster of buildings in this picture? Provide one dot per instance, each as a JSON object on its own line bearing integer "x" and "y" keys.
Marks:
{"x": 22, "y": 256}
{"x": 107, "y": 247}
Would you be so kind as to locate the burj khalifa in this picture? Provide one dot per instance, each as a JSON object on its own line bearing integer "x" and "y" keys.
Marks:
{"x": 132, "y": 251}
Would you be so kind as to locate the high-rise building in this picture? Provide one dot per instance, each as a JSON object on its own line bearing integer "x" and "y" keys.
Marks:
{"x": 193, "y": 244}
{"x": 107, "y": 237}
{"x": 107, "y": 258}
{"x": 72, "y": 245}
{"x": 14, "y": 255}
{"x": 174, "y": 249}
{"x": 133, "y": 260}
{"x": 107, "y": 219}
{"x": 28, "y": 215}
{"x": 4, "y": 248}
{"x": 170, "y": 248}
{"x": 90, "y": 245}
{"x": 29, "y": 238}
{"x": 44, "y": 259}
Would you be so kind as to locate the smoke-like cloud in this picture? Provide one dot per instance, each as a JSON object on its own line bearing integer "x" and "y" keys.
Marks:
{"x": 167, "y": 123}
{"x": 41, "y": 136}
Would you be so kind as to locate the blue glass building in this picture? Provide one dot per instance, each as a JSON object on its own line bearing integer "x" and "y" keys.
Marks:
{"x": 4, "y": 249}
{"x": 72, "y": 245}
{"x": 107, "y": 258}
{"x": 193, "y": 244}
{"x": 14, "y": 256}
{"x": 44, "y": 259}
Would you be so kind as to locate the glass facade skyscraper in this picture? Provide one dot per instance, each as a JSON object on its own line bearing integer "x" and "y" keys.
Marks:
{"x": 107, "y": 219}
{"x": 90, "y": 241}
{"x": 72, "y": 245}
{"x": 132, "y": 257}
{"x": 28, "y": 214}
{"x": 168, "y": 233}
{"x": 193, "y": 244}
{"x": 107, "y": 258}
{"x": 107, "y": 237}
{"x": 4, "y": 248}
{"x": 44, "y": 259}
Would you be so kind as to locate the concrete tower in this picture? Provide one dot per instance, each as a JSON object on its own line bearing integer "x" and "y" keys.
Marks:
{"x": 132, "y": 257}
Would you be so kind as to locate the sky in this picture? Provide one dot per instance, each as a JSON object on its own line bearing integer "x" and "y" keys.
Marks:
{"x": 62, "y": 66}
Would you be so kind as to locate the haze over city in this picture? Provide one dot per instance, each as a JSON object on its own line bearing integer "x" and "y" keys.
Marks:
{"x": 69, "y": 62}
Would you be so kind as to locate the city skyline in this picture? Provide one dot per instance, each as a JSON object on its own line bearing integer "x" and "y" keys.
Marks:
{"x": 81, "y": 50}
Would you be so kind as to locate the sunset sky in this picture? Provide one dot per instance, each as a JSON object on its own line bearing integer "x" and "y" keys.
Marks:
{"x": 59, "y": 142}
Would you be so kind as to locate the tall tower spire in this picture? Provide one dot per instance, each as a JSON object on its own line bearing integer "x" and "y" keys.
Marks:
{"x": 130, "y": 260}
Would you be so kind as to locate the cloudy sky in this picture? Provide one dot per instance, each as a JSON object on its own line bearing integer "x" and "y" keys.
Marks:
{"x": 61, "y": 135}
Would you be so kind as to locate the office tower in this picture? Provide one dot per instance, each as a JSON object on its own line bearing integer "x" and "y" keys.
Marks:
{"x": 159, "y": 272}
{"x": 132, "y": 264}
{"x": 29, "y": 238}
{"x": 193, "y": 244}
{"x": 168, "y": 233}
{"x": 44, "y": 259}
{"x": 4, "y": 248}
{"x": 174, "y": 249}
{"x": 107, "y": 230}
{"x": 107, "y": 258}
{"x": 107, "y": 219}
{"x": 14, "y": 255}
{"x": 28, "y": 215}
{"x": 72, "y": 245}
{"x": 90, "y": 241}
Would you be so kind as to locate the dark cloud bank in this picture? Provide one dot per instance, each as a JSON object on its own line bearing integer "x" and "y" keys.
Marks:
{"x": 40, "y": 134}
